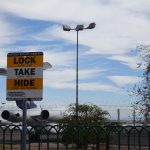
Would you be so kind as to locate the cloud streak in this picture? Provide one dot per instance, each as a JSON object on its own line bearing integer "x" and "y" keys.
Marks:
{"x": 65, "y": 79}
{"x": 119, "y": 37}
{"x": 130, "y": 61}
{"x": 124, "y": 80}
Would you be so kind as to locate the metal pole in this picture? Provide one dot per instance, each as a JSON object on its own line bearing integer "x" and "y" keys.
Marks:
{"x": 77, "y": 80}
{"x": 134, "y": 126}
{"x": 118, "y": 113}
{"x": 24, "y": 127}
{"x": 134, "y": 119}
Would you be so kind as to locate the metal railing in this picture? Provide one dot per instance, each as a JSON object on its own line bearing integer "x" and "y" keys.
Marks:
{"x": 69, "y": 137}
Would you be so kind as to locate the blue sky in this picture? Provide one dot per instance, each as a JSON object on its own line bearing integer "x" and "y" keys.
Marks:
{"x": 107, "y": 57}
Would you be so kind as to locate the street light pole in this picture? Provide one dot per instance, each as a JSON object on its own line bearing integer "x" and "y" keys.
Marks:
{"x": 77, "y": 29}
{"x": 77, "y": 66}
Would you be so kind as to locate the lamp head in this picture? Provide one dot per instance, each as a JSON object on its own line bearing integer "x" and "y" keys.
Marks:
{"x": 66, "y": 28}
{"x": 91, "y": 25}
{"x": 79, "y": 27}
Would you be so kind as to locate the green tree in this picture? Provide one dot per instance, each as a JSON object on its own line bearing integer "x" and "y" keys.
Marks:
{"x": 86, "y": 129}
{"x": 142, "y": 90}
{"x": 88, "y": 114}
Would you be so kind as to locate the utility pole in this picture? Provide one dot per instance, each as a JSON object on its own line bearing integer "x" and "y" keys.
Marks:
{"x": 134, "y": 120}
{"x": 118, "y": 114}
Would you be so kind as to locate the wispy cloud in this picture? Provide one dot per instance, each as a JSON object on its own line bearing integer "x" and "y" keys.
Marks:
{"x": 98, "y": 87}
{"x": 124, "y": 80}
{"x": 119, "y": 37}
{"x": 66, "y": 79}
{"x": 8, "y": 34}
{"x": 59, "y": 58}
{"x": 69, "y": 75}
{"x": 130, "y": 61}
{"x": 3, "y": 61}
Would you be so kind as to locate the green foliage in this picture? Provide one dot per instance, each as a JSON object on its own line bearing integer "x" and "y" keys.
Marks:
{"x": 87, "y": 115}
{"x": 88, "y": 128}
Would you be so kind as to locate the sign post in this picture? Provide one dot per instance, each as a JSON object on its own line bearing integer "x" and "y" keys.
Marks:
{"x": 24, "y": 126}
{"x": 24, "y": 81}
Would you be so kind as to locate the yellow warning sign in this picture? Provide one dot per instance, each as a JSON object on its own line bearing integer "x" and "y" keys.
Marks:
{"x": 24, "y": 75}
{"x": 25, "y": 84}
{"x": 25, "y": 61}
